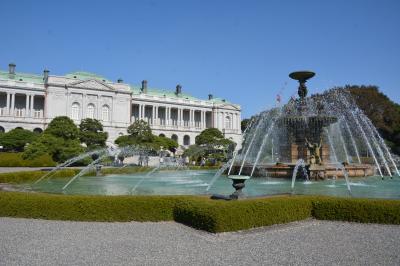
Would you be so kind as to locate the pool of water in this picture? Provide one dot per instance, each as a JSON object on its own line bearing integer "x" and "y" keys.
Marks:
{"x": 195, "y": 183}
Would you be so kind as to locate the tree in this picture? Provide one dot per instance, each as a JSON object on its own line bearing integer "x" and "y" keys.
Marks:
{"x": 59, "y": 140}
{"x": 140, "y": 135}
{"x": 141, "y": 131}
{"x": 17, "y": 139}
{"x": 244, "y": 123}
{"x": 166, "y": 143}
{"x": 91, "y": 133}
{"x": 62, "y": 127}
{"x": 212, "y": 144}
{"x": 125, "y": 140}
{"x": 194, "y": 152}
{"x": 212, "y": 137}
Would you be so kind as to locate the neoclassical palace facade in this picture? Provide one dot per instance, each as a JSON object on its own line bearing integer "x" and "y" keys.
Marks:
{"x": 31, "y": 101}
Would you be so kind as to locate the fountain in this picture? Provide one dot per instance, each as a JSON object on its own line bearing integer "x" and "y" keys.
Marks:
{"x": 318, "y": 130}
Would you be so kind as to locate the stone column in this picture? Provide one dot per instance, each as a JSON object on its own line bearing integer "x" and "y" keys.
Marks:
{"x": 156, "y": 115}
{"x": 201, "y": 119}
{"x": 140, "y": 112}
{"x": 26, "y": 105}
{"x": 178, "y": 122}
{"x": 8, "y": 104}
{"x": 99, "y": 113}
{"x": 12, "y": 104}
{"x": 167, "y": 115}
{"x": 32, "y": 112}
{"x": 239, "y": 123}
{"x": 190, "y": 118}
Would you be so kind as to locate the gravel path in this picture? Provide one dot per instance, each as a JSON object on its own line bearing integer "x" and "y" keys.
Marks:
{"x": 39, "y": 242}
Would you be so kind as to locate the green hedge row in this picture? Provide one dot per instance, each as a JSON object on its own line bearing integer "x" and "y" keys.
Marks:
{"x": 31, "y": 176}
{"x": 198, "y": 212}
{"x": 221, "y": 216}
{"x": 87, "y": 208}
{"x": 10, "y": 159}
{"x": 357, "y": 210}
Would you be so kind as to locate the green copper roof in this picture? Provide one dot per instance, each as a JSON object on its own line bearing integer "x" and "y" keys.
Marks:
{"x": 163, "y": 93}
{"x": 22, "y": 77}
{"x": 218, "y": 100}
{"x": 85, "y": 76}
{"x": 81, "y": 75}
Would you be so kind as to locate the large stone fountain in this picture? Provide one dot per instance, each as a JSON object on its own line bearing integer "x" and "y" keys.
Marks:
{"x": 300, "y": 131}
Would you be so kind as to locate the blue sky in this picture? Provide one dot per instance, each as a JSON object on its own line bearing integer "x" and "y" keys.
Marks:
{"x": 239, "y": 50}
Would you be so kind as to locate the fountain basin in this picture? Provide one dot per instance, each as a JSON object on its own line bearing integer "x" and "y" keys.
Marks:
{"x": 283, "y": 170}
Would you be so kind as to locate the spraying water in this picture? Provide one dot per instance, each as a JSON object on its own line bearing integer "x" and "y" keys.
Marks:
{"x": 352, "y": 141}
{"x": 300, "y": 163}
{"x": 368, "y": 144}
{"x": 84, "y": 171}
{"x": 68, "y": 163}
{"x": 218, "y": 174}
{"x": 344, "y": 144}
{"x": 250, "y": 146}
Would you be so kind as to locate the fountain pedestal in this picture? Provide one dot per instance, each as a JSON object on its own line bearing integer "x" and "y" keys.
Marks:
{"x": 317, "y": 172}
{"x": 238, "y": 184}
{"x": 98, "y": 169}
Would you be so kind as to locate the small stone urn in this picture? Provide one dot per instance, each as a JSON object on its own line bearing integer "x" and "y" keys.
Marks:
{"x": 238, "y": 184}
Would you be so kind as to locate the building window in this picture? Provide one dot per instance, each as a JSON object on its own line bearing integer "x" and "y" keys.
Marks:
{"x": 38, "y": 130}
{"x": 186, "y": 140}
{"x": 175, "y": 138}
{"x": 90, "y": 111}
{"x": 75, "y": 110}
{"x": 228, "y": 124}
{"x": 105, "y": 113}
{"x": 2, "y": 129}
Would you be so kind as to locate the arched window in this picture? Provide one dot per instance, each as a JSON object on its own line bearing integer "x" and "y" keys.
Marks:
{"x": 186, "y": 140}
{"x": 2, "y": 129}
{"x": 162, "y": 135}
{"x": 105, "y": 113}
{"x": 38, "y": 130}
{"x": 75, "y": 111}
{"x": 90, "y": 111}
{"x": 228, "y": 124}
{"x": 174, "y": 137}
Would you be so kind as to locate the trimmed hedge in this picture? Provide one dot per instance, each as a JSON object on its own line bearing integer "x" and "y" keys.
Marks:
{"x": 357, "y": 210}
{"x": 9, "y": 159}
{"x": 221, "y": 216}
{"x": 87, "y": 208}
{"x": 31, "y": 176}
{"x": 198, "y": 212}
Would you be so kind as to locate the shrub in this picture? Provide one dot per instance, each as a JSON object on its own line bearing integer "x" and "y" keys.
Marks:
{"x": 222, "y": 216}
{"x": 87, "y": 208}
{"x": 31, "y": 176}
{"x": 357, "y": 210}
{"x": 17, "y": 160}
{"x": 16, "y": 139}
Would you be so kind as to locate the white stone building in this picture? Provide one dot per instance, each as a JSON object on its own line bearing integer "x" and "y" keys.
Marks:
{"x": 31, "y": 101}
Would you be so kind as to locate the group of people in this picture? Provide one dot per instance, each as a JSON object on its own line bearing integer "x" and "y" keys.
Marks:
{"x": 143, "y": 160}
